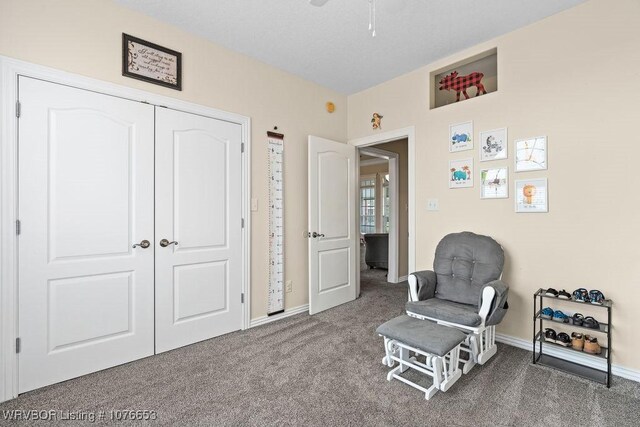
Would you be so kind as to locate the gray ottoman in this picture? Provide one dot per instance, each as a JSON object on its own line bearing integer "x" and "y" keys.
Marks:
{"x": 439, "y": 344}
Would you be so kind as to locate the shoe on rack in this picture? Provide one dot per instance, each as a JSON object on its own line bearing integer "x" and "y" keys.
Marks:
{"x": 550, "y": 335}
{"x": 546, "y": 313}
{"x": 596, "y": 297}
{"x": 591, "y": 345}
{"x": 577, "y": 319}
{"x": 581, "y": 295}
{"x": 564, "y": 294}
{"x": 563, "y": 339}
{"x": 559, "y": 316}
{"x": 590, "y": 322}
{"x": 551, "y": 292}
{"x": 577, "y": 341}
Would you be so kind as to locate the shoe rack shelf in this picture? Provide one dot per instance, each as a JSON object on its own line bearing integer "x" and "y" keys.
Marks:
{"x": 600, "y": 370}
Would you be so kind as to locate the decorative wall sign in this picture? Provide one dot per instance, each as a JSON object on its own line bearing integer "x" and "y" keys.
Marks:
{"x": 531, "y": 154}
{"x": 493, "y": 144}
{"x": 532, "y": 195}
{"x": 151, "y": 63}
{"x": 461, "y": 137}
{"x": 275, "y": 145}
{"x": 460, "y": 84}
{"x": 494, "y": 183}
{"x": 376, "y": 121}
{"x": 461, "y": 173}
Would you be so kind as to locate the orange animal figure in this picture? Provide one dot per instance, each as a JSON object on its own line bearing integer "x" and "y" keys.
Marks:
{"x": 461, "y": 84}
{"x": 528, "y": 191}
{"x": 376, "y": 121}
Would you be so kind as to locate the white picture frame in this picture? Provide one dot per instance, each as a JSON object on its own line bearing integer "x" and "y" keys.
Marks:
{"x": 494, "y": 183}
{"x": 461, "y": 173}
{"x": 532, "y": 195}
{"x": 493, "y": 145}
{"x": 461, "y": 137}
{"x": 531, "y": 154}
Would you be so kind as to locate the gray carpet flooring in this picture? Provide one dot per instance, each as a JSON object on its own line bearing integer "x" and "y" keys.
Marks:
{"x": 326, "y": 370}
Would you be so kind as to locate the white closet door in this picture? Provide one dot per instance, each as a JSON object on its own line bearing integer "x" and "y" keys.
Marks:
{"x": 85, "y": 197}
{"x": 198, "y": 212}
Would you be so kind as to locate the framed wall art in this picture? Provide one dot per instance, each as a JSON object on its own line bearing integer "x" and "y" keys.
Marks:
{"x": 143, "y": 60}
{"x": 461, "y": 137}
{"x": 461, "y": 173}
{"x": 532, "y": 195}
{"x": 531, "y": 154}
{"x": 493, "y": 144}
{"x": 494, "y": 183}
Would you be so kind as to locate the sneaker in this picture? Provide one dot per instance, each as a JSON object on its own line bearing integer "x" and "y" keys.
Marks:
{"x": 559, "y": 316}
{"x": 591, "y": 345}
{"x": 577, "y": 341}
{"x": 550, "y": 335}
{"x": 546, "y": 313}
{"x": 564, "y": 294}
{"x": 563, "y": 339}
{"x": 551, "y": 292}
{"x": 577, "y": 319}
{"x": 590, "y": 322}
{"x": 596, "y": 297}
{"x": 581, "y": 295}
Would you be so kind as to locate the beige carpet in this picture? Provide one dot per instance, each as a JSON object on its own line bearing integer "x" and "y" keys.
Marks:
{"x": 325, "y": 370}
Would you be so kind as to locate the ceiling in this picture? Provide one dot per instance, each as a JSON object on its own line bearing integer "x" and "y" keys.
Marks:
{"x": 331, "y": 45}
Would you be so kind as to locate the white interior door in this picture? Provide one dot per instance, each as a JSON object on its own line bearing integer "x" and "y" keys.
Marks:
{"x": 332, "y": 224}
{"x": 85, "y": 197}
{"x": 198, "y": 212}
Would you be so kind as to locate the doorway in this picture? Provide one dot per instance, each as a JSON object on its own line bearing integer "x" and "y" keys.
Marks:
{"x": 383, "y": 221}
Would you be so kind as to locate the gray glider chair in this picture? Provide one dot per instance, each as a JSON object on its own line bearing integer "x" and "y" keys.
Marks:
{"x": 464, "y": 291}
{"x": 376, "y": 250}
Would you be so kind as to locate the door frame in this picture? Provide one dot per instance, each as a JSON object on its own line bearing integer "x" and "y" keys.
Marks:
{"x": 394, "y": 200}
{"x": 10, "y": 70}
{"x": 379, "y": 138}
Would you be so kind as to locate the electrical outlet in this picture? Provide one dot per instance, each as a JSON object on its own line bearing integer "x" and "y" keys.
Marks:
{"x": 432, "y": 205}
{"x": 288, "y": 286}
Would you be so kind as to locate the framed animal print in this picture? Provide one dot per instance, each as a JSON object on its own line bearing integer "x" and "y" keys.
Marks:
{"x": 461, "y": 137}
{"x": 531, "y": 154}
{"x": 493, "y": 144}
{"x": 461, "y": 173}
{"x": 532, "y": 195}
{"x": 494, "y": 183}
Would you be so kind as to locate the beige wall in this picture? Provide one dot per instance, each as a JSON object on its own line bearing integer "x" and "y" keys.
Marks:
{"x": 573, "y": 78}
{"x": 84, "y": 37}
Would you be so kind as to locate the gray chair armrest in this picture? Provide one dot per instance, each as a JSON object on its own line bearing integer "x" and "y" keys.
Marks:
{"x": 426, "y": 284}
{"x": 499, "y": 305}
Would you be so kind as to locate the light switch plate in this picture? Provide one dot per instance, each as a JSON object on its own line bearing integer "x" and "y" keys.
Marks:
{"x": 288, "y": 286}
{"x": 432, "y": 205}
{"x": 254, "y": 204}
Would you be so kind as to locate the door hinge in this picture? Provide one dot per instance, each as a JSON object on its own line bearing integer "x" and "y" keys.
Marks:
{"x": 242, "y": 147}
{"x": 242, "y": 222}
{"x": 18, "y": 108}
{"x": 18, "y": 345}
{"x": 242, "y": 298}
{"x": 18, "y": 227}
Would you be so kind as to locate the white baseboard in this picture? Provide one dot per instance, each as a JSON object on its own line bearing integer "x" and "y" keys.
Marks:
{"x": 552, "y": 350}
{"x": 263, "y": 320}
{"x": 403, "y": 278}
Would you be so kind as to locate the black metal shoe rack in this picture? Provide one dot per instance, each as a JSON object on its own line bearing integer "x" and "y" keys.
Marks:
{"x": 593, "y": 373}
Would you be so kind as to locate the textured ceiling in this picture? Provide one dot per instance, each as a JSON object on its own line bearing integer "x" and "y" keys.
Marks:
{"x": 332, "y": 46}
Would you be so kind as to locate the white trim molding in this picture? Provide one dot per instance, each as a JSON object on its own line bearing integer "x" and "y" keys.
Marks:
{"x": 10, "y": 70}
{"x": 585, "y": 360}
{"x": 263, "y": 320}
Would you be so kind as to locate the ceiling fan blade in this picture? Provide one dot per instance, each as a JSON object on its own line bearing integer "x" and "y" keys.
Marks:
{"x": 318, "y": 3}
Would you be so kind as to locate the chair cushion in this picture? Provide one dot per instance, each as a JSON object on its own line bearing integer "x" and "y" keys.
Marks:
{"x": 464, "y": 262}
{"x": 422, "y": 334}
{"x": 448, "y": 311}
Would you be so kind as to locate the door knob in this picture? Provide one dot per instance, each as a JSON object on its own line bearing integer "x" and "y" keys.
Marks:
{"x": 144, "y": 244}
{"x": 164, "y": 243}
{"x": 314, "y": 235}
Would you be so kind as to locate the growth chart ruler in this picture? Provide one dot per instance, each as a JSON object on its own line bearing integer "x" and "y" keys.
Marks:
{"x": 276, "y": 223}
